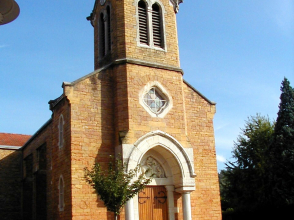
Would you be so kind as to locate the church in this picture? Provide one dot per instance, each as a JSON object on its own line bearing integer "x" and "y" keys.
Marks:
{"x": 135, "y": 104}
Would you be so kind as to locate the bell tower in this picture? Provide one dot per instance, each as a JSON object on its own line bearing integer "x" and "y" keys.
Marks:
{"x": 136, "y": 47}
{"x": 142, "y": 31}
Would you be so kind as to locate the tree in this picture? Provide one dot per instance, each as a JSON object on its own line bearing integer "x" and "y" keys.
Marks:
{"x": 244, "y": 181}
{"x": 282, "y": 150}
{"x": 262, "y": 176}
{"x": 115, "y": 186}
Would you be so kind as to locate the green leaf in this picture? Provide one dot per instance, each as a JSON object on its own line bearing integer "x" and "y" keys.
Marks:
{"x": 114, "y": 186}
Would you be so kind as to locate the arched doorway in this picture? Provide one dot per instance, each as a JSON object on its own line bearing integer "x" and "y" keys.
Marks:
{"x": 174, "y": 171}
{"x": 153, "y": 201}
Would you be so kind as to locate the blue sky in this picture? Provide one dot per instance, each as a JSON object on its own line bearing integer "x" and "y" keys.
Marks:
{"x": 236, "y": 53}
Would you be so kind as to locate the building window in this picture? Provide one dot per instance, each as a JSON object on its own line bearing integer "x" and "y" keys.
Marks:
{"x": 143, "y": 23}
{"x": 150, "y": 21}
{"x": 41, "y": 158}
{"x": 101, "y": 36}
{"x": 154, "y": 100}
{"x": 61, "y": 132}
{"x": 61, "y": 193}
{"x": 108, "y": 49}
{"x": 28, "y": 167}
{"x": 104, "y": 27}
{"x": 157, "y": 25}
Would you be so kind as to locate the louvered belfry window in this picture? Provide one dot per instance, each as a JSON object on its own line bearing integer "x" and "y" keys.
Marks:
{"x": 143, "y": 21}
{"x": 157, "y": 26}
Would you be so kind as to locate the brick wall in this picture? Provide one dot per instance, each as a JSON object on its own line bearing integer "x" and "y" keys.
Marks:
{"x": 117, "y": 33}
{"x": 92, "y": 139}
{"x": 205, "y": 199}
{"x": 106, "y": 103}
{"x": 10, "y": 184}
{"x": 61, "y": 161}
{"x": 36, "y": 179}
{"x": 140, "y": 121}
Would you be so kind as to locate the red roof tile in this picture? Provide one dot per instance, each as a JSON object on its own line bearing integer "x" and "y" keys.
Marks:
{"x": 7, "y": 139}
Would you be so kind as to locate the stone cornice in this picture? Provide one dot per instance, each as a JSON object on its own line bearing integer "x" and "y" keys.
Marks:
{"x": 9, "y": 147}
{"x": 148, "y": 64}
{"x": 126, "y": 61}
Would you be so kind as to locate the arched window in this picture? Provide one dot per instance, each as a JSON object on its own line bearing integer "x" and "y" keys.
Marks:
{"x": 150, "y": 24}
{"x": 101, "y": 36}
{"x": 61, "y": 193}
{"x": 157, "y": 26}
{"x": 104, "y": 32}
{"x": 61, "y": 131}
{"x": 108, "y": 29}
{"x": 143, "y": 22}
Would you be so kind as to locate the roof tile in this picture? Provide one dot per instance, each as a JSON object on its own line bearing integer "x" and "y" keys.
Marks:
{"x": 7, "y": 139}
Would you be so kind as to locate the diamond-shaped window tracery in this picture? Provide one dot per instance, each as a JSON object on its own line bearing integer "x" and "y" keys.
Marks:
{"x": 155, "y": 100}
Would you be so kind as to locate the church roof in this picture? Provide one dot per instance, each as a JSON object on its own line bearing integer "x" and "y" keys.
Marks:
{"x": 8, "y": 140}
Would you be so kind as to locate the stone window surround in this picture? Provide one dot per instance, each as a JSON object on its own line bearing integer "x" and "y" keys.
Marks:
{"x": 164, "y": 92}
{"x": 61, "y": 131}
{"x": 159, "y": 100}
{"x": 149, "y": 4}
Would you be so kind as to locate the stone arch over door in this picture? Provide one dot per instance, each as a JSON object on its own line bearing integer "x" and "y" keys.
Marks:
{"x": 176, "y": 161}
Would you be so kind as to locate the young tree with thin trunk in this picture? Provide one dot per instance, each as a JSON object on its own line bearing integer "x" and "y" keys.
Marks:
{"x": 115, "y": 186}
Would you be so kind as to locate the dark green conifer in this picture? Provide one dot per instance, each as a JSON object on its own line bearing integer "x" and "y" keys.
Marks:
{"x": 282, "y": 152}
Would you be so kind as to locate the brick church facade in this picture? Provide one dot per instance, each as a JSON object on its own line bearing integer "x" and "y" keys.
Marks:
{"x": 135, "y": 104}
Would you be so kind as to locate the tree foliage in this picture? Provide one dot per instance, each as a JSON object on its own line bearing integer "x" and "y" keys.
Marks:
{"x": 282, "y": 149}
{"x": 244, "y": 182}
{"x": 115, "y": 186}
{"x": 262, "y": 174}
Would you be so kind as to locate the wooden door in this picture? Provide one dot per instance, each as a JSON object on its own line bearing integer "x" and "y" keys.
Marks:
{"x": 153, "y": 203}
